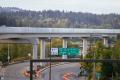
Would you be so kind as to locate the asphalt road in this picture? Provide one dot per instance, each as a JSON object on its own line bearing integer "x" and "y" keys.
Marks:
{"x": 15, "y": 72}
{"x": 58, "y": 72}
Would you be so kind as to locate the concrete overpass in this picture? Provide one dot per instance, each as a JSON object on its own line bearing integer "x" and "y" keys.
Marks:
{"x": 33, "y": 34}
{"x": 24, "y": 32}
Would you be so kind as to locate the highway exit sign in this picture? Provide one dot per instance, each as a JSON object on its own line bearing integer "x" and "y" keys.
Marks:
{"x": 69, "y": 51}
{"x": 62, "y": 51}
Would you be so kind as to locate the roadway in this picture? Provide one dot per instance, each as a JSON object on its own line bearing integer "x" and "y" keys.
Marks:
{"x": 58, "y": 72}
{"x": 15, "y": 72}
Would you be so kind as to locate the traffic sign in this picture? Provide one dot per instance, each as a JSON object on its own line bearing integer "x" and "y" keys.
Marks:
{"x": 62, "y": 51}
{"x": 54, "y": 51}
{"x": 73, "y": 51}
{"x": 69, "y": 51}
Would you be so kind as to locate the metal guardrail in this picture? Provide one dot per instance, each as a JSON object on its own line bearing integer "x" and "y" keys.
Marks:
{"x": 69, "y": 60}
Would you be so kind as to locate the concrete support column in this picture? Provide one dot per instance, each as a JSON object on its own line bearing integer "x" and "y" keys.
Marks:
{"x": 65, "y": 43}
{"x": 35, "y": 51}
{"x": 105, "y": 41}
{"x": 85, "y": 46}
{"x": 35, "y": 42}
{"x": 42, "y": 50}
{"x": 64, "y": 46}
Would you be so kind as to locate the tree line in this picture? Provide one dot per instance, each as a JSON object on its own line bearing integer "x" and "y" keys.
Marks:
{"x": 106, "y": 70}
{"x": 49, "y": 18}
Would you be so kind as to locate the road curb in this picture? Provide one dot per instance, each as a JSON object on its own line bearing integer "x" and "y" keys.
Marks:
{"x": 53, "y": 66}
{"x": 18, "y": 62}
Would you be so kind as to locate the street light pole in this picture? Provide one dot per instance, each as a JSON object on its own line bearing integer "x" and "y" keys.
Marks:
{"x": 50, "y": 59}
{"x": 8, "y": 54}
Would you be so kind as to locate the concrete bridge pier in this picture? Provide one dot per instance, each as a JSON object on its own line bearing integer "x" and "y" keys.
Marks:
{"x": 42, "y": 50}
{"x": 65, "y": 41}
{"x": 105, "y": 41}
{"x": 35, "y": 51}
{"x": 35, "y": 42}
{"x": 85, "y": 46}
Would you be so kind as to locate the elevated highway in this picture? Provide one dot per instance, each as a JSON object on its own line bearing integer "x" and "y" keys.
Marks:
{"x": 33, "y": 34}
{"x": 24, "y": 32}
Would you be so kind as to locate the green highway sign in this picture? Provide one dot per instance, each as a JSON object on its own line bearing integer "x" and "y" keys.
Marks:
{"x": 73, "y": 51}
{"x": 62, "y": 51}
{"x": 69, "y": 51}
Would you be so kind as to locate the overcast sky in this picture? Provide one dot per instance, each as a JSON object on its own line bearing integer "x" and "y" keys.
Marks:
{"x": 92, "y": 6}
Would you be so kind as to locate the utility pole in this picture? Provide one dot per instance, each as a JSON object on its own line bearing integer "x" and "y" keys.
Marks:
{"x": 94, "y": 70}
